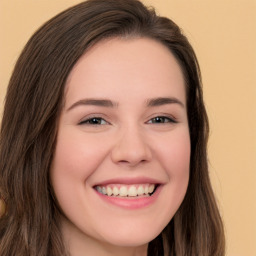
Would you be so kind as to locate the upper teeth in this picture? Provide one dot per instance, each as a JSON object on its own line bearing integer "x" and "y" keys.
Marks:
{"x": 126, "y": 190}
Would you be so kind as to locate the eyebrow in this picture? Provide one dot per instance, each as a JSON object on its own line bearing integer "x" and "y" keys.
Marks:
{"x": 94, "y": 102}
{"x": 155, "y": 102}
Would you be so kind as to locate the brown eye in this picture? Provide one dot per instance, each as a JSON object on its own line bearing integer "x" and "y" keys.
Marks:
{"x": 161, "y": 120}
{"x": 94, "y": 121}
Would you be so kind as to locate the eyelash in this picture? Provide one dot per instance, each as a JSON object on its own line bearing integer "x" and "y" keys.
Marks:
{"x": 93, "y": 121}
{"x": 155, "y": 120}
{"x": 165, "y": 120}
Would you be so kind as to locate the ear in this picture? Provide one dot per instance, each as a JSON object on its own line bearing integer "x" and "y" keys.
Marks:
{"x": 2, "y": 207}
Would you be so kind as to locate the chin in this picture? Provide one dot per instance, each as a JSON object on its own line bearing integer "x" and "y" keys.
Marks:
{"x": 130, "y": 238}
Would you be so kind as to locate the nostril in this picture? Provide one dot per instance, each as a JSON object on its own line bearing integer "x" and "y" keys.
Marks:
{"x": 123, "y": 161}
{"x": 131, "y": 163}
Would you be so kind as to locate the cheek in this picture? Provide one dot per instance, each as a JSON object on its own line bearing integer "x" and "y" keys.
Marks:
{"x": 174, "y": 154}
{"x": 76, "y": 158}
{"x": 177, "y": 164}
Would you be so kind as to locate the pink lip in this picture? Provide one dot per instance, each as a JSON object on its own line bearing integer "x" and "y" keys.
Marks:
{"x": 129, "y": 202}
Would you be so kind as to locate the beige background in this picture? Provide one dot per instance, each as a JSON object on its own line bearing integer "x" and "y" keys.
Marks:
{"x": 223, "y": 33}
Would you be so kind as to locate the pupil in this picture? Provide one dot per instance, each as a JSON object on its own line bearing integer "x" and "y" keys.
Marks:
{"x": 95, "y": 121}
{"x": 159, "y": 119}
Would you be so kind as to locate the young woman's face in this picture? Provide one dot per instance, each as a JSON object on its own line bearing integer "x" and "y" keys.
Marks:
{"x": 121, "y": 166}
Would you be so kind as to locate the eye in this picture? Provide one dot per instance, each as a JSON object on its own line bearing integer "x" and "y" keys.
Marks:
{"x": 161, "y": 120}
{"x": 94, "y": 121}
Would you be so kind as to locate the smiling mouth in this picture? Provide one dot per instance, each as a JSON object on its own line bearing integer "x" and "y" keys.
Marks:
{"x": 126, "y": 191}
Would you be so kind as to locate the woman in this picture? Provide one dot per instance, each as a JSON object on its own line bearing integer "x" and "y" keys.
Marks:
{"x": 103, "y": 140}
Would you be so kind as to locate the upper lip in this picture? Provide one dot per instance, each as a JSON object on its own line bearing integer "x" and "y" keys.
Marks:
{"x": 129, "y": 181}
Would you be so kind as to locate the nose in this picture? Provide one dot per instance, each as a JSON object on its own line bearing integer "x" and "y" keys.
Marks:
{"x": 131, "y": 148}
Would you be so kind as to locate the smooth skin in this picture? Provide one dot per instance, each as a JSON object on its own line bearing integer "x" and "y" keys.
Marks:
{"x": 124, "y": 118}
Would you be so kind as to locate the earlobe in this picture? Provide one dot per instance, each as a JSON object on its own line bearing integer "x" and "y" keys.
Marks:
{"x": 2, "y": 207}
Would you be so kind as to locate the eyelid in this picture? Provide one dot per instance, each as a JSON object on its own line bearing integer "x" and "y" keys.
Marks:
{"x": 90, "y": 117}
{"x": 171, "y": 119}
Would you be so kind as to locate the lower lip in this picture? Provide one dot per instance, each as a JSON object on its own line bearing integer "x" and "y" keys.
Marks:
{"x": 131, "y": 203}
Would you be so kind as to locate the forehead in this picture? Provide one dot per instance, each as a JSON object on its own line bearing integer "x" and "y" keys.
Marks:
{"x": 132, "y": 64}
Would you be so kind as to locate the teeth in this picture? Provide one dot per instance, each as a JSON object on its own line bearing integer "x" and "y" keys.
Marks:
{"x": 123, "y": 191}
{"x": 132, "y": 191}
{"x": 126, "y": 190}
{"x": 103, "y": 190}
{"x": 115, "y": 191}
{"x": 151, "y": 188}
{"x": 140, "y": 190}
{"x": 109, "y": 191}
{"x": 99, "y": 189}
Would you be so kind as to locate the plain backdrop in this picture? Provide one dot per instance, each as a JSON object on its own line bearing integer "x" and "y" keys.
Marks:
{"x": 223, "y": 34}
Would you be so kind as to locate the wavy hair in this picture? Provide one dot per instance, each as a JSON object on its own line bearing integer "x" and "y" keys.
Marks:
{"x": 35, "y": 95}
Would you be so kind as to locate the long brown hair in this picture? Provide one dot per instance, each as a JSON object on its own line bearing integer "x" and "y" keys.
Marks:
{"x": 33, "y": 103}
